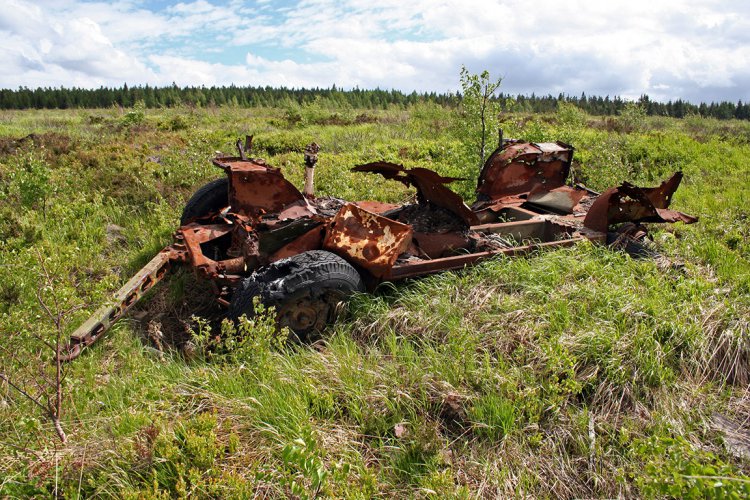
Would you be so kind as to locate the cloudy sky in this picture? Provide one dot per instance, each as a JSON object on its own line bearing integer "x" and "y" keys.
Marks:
{"x": 692, "y": 49}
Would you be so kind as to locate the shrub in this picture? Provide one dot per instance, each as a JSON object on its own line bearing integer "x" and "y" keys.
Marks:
{"x": 135, "y": 116}
{"x": 249, "y": 341}
{"x": 632, "y": 118}
{"x": 33, "y": 181}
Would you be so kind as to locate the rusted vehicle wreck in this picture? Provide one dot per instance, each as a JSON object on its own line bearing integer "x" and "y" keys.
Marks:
{"x": 254, "y": 234}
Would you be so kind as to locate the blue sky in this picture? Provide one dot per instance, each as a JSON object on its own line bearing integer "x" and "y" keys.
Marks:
{"x": 697, "y": 50}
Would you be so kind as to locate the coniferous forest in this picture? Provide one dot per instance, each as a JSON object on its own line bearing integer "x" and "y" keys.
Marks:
{"x": 247, "y": 96}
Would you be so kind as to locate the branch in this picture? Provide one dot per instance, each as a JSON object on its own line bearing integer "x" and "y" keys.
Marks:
{"x": 25, "y": 394}
{"x": 23, "y": 449}
{"x": 49, "y": 282}
{"x": 50, "y": 397}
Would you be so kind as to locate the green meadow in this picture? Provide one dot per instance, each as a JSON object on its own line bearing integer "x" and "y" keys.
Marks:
{"x": 577, "y": 372}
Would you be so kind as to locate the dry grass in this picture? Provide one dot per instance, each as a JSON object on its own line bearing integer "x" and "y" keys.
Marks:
{"x": 725, "y": 353}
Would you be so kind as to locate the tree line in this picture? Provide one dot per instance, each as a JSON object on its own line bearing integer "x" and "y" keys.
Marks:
{"x": 249, "y": 96}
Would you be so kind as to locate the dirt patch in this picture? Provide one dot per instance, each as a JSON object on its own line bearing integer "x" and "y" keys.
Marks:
{"x": 58, "y": 144}
{"x": 166, "y": 318}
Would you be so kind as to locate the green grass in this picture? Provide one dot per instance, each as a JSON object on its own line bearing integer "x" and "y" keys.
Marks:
{"x": 578, "y": 372}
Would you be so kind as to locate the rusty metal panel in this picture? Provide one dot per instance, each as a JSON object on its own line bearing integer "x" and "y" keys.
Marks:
{"x": 519, "y": 167}
{"x": 311, "y": 240}
{"x": 436, "y": 245}
{"x": 562, "y": 199}
{"x": 629, "y": 203}
{"x": 256, "y": 189}
{"x": 371, "y": 241}
{"x": 431, "y": 187}
{"x": 296, "y": 210}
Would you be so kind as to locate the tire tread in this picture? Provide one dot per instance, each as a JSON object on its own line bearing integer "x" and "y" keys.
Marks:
{"x": 309, "y": 274}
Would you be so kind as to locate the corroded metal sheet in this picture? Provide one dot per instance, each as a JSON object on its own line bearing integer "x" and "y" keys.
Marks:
{"x": 436, "y": 245}
{"x": 561, "y": 199}
{"x": 431, "y": 187}
{"x": 256, "y": 189}
{"x": 371, "y": 241}
{"x": 629, "y": 203}
{"x": 311, "y": 240}
{"x": 519, "y": 167}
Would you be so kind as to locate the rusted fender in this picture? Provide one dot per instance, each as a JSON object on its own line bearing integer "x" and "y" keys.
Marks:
{"x": 629, "y": 203}
{"x": 431, "y": 187}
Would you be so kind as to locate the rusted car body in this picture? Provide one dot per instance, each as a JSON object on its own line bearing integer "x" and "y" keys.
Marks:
{"x": 258, "y": 220}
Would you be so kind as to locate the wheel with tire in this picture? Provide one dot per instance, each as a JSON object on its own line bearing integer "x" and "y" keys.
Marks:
{"x": 209, "y": 199}
{"x": 307, "y": 291}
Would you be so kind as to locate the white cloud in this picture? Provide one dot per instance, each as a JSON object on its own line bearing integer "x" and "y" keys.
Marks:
{"x": 186, "y": 72}
{"x": 698, "y": 50}
{"x": 72, "y": 52}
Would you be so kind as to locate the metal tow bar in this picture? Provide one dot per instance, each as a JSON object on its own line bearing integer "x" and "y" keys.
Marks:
{"x": 104, "y": 317}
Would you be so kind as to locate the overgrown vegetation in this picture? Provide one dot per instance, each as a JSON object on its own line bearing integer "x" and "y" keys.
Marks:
{"x": 571, "y": 373}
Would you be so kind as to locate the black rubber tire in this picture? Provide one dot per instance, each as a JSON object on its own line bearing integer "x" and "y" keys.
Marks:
{"x": 210, "y": 198}
{"x": 307, "y": 291}
{"x": 637, "y": 249}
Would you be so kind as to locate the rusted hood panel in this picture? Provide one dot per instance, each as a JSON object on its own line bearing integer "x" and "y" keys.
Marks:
{"x": 256, "y": 188}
